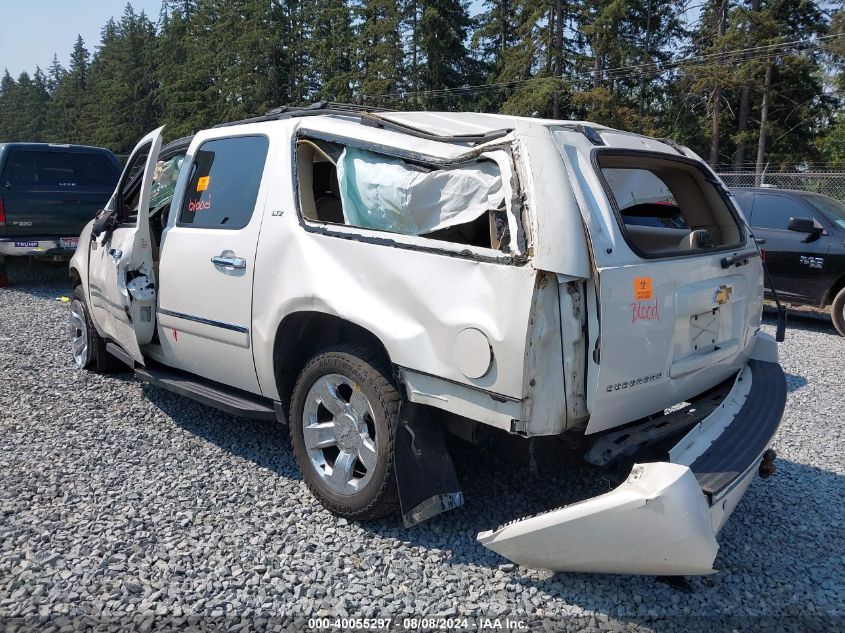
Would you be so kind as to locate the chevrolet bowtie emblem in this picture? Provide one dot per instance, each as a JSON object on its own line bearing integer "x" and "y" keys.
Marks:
{"x": 722, "y": 295}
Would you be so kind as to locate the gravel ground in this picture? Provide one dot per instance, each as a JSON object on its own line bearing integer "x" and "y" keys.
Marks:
{"x": 125, "y": 507}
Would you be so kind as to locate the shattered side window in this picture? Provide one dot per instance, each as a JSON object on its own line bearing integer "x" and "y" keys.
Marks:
{"x": 130, "y": 193}
{"x": 164, "y": 181}
{"x": 462, "y": 203}
{"x": 390, "y": 194}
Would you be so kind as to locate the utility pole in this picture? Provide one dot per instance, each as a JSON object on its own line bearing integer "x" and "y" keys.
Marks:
{"x": 715, "y": 127}
{"x": 744, "y": 109}
{"x": 642, "y": 71}
{"x": 558, "y": 65}
{"x": 764, "y": 117}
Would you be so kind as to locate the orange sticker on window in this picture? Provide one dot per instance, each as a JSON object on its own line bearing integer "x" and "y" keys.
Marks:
{"x": 643, "y": 289}
{"x": 202, "y": 183}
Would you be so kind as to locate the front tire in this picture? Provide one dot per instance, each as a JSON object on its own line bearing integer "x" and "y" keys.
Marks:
{"x": 87, "y": 346}
{"x": 837, "y": 312}
{"x": 344, "y": 411}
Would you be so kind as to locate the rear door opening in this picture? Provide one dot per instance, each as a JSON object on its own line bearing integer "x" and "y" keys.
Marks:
{"x": 674, "y": 318}
{"x": 667, "y": 206}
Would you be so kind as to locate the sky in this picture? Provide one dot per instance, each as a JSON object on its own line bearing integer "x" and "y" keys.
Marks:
{"x": 31, "y": 31}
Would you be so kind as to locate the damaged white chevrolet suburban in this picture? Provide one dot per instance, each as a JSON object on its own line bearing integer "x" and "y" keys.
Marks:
{"x": 377, "y": 279}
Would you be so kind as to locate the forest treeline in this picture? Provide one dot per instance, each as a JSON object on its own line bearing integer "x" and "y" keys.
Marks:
{"x": 742, "y": 82}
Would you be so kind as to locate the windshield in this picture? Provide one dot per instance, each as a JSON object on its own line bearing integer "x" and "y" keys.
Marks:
{"x": 832, "y": 209}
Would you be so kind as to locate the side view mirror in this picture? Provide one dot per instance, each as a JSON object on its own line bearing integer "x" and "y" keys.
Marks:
{"x": 804, "y": 225}
{"x": 102, "y": 222}
{"x": 807, "y": 226}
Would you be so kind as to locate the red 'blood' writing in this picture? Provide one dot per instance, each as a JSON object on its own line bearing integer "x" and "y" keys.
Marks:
{"x": 645, "y": 311}
{"x": 199, "y": 205}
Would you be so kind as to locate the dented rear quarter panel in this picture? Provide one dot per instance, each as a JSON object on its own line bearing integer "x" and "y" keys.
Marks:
{"x": 415, "y": 301}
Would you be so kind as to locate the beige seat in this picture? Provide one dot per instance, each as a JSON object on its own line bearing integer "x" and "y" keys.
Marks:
{"x": 305, "y": 177}
{"x": 697, "y": 239}
{"x": 328, "y": 207}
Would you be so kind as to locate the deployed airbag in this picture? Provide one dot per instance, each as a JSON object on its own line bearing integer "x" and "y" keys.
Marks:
{"x": 389, "y": 194}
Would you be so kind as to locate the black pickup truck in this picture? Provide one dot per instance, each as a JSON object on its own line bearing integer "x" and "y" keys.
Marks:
{"x": 48, "y": 193}
{"x": 802, "y": 236}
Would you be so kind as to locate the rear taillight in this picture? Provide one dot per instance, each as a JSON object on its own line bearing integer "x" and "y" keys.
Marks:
{"x": 763, "y": 255}
{"x": 2, "y": 213}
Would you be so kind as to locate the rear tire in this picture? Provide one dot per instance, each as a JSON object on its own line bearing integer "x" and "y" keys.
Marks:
{"x": 837, "y": 312}
{"x": 87, "y": 346}
{"x": 343, "y": 416}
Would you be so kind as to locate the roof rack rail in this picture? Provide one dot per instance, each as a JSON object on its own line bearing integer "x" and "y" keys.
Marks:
{"x": 590, "y": 132}
{"x": 369, "y": 117}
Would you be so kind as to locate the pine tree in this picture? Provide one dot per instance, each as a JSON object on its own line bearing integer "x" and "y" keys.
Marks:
{"x": 798, "y": 105}
{"x": 492, "y": 39}
{"x": 213, "y": 60}
{"x": 381, "y": 58}
{"x": 243, "y": 68}
{"x": 123, "y": 89}
{"x": 69, "y": 120}
{"x": 8, "y": 109}
{"x": 185, "y": 77}
{"x": 530, "y": 55}
{"x": 32, "y": 102}
{"x": 636, "y": 36}
{"x": 443, "y": 28}
{"x": 331, "y": 50}
{"x": 832, "y": 143}
{"x": 55, "y": 74}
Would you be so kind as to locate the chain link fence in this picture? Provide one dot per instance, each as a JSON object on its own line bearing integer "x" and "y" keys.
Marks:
{"x": 831, "y": 183}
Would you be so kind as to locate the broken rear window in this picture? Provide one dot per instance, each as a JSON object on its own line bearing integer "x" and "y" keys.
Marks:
{"x": 667, "y": 206}
{"x": 462, "y": 203}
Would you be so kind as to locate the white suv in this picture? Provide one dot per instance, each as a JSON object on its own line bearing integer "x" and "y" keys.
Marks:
{"x": 375, "y": 279}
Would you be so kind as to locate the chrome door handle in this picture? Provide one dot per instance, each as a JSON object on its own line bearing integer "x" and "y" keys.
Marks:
{"x": 116, "y": 253}
{"x": 228, "y": 261}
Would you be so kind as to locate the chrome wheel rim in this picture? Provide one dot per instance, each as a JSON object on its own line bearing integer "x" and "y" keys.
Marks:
{"x": 338, "y": 428}
{"x": 78, "y": 333}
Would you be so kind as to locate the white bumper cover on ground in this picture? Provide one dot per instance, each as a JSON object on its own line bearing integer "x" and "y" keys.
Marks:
{"x": 659, "y": 520}
{"x": 656, "y": 522}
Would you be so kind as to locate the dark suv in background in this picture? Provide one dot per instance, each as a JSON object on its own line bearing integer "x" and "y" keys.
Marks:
{"x": 48, "y": 193}
{"x": 802, "y": 235}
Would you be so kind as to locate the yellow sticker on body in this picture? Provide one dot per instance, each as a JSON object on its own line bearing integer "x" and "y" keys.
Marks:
{"x": 202, "y": 183}
{"x": 643, "y": 288}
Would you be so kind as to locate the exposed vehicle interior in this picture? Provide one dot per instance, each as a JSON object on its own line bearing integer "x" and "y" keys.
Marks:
{"x": 322, "y": 199}
{"x": 667, "y": 206}
{"x": 166, "y": 173}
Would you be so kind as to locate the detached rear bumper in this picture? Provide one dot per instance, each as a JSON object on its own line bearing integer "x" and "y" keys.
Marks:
{"x": 664, "y": 518}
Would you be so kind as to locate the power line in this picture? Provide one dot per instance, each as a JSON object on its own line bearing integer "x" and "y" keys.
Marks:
{"x": 620, "y": 72}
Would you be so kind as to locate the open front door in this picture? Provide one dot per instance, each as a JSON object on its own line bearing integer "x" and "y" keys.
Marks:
{"x": 122, "y": 280}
